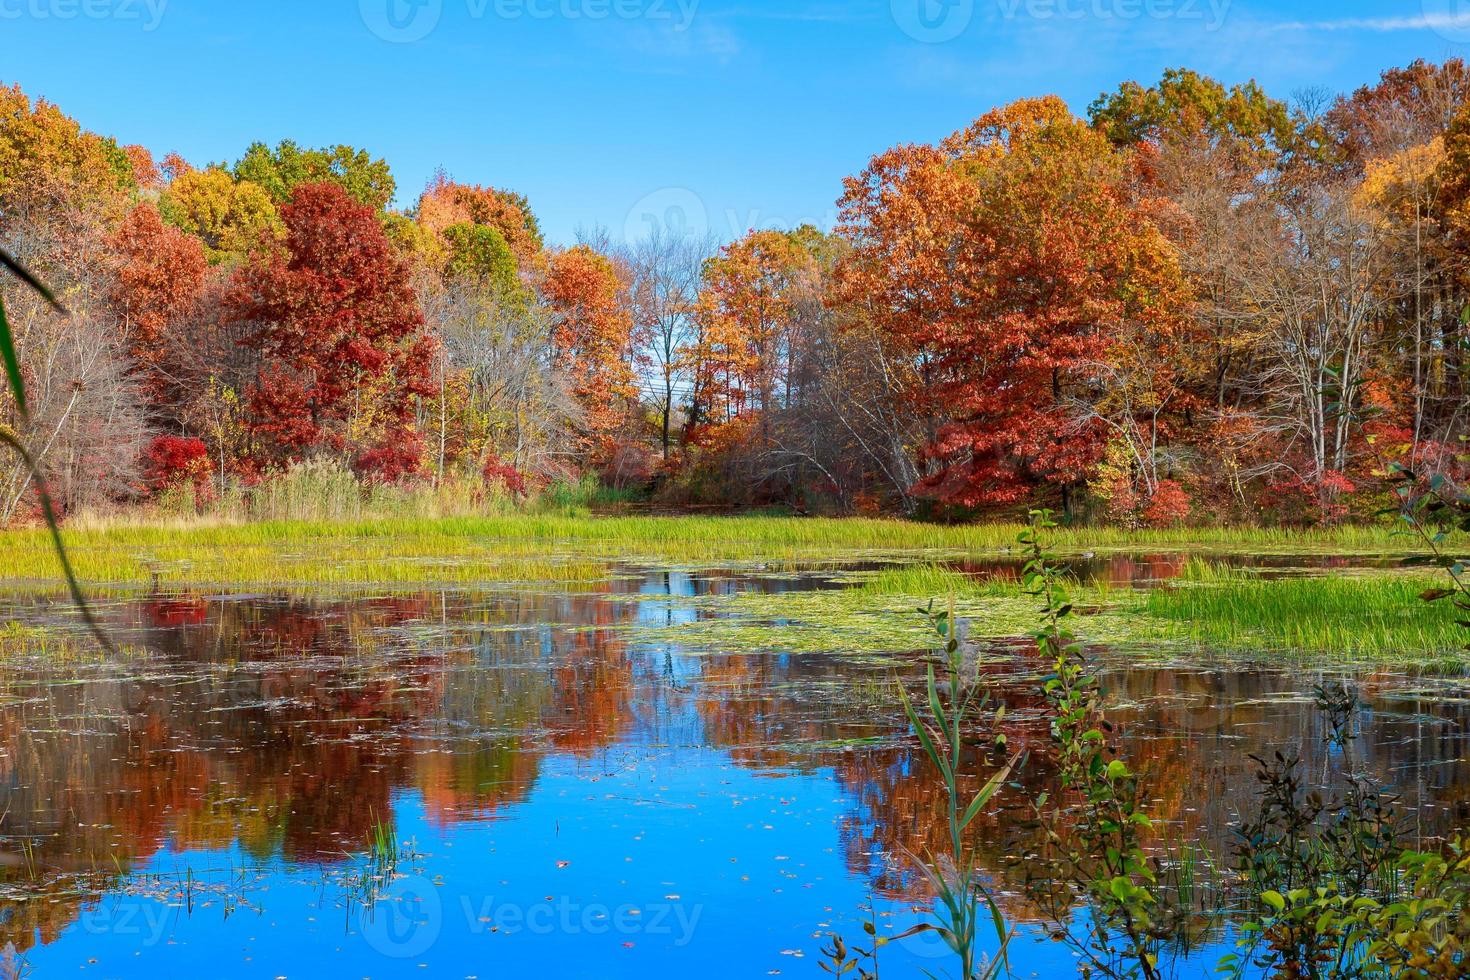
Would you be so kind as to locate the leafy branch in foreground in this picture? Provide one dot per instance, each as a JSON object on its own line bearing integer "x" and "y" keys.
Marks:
{"x": 1096, "y": 842}
{"x": 964, "y": 904}
{"x": 1433, "y": 515}
{"x": 1341, "y": 897}
{"x": 8, "y": 438}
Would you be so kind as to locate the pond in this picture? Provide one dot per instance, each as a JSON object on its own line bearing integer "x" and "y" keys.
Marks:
{"x": 520, "y": 782}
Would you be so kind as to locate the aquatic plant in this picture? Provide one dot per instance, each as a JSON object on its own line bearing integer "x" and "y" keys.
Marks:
{"x": 964, "y": 903}
{"x": 1095, "y": 836}
{"x": 1365, "y": 616}
{"x": 1338, "y": 893}
{"x": 962, "y": 897}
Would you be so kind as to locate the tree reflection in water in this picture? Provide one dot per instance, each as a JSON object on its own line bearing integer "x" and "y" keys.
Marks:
{"x": 283, "y": 727}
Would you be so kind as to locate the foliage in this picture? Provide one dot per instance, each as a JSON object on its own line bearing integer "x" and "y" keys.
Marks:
{"x": 590, "y": 339}
{"x": 1011, "y": 261}
{"x": 1198, "y": 305}
{"x": 230, "y": 217}
{"x": 175, "y": 461}
{"x": 336, "y": 321}
{"x": 1096, "y": 838}
{"x": 280, "y": 171}
{"x": 963, "y": 903}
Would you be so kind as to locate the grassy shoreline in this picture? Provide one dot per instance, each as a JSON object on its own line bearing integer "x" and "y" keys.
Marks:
{"x": 550, "y": 548}
{"x": 1373, "y": 616}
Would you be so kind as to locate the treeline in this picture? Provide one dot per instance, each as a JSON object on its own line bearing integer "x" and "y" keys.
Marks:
{"x": 1200, "y": 303}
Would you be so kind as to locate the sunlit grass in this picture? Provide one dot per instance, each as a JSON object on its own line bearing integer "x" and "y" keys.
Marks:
{"x": 1370, "y": 615}
{"x": 470, "y": 549}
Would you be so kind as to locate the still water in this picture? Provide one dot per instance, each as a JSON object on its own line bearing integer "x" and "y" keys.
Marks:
{"x": 455, "y": 784}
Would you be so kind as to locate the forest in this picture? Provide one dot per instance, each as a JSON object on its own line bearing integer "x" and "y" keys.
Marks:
{"x": 1200, "y": 304}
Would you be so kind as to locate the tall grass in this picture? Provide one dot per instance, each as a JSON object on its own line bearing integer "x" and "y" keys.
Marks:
{"x": 931, "y": 580}
{"x": 325, "y": 491}
{"x": 1362, "y": 615}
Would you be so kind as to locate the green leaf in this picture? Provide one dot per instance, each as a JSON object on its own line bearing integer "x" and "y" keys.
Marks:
{"x": 23, "y": 274}
{"x": 1273, "y": 898}
{"x": 12, "y": 362}
{"x": 49, "y": 513}
{"x": 986, "y": 792}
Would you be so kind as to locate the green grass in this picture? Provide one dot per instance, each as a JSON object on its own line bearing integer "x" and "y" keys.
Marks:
{"x": 930, "y": 579}
{"x": 1365, "y": 615}
{"x": 559, "y": 547}
{"x": 1358, "y": 615}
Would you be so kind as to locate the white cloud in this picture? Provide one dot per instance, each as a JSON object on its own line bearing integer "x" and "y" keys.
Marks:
{"x": 1384, "y": 25}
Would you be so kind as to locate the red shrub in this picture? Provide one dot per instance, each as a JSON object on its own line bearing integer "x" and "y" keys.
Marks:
{"x": 1169, "y": 505}
{"x": 392, "y": 462}
{"x": 176, "y": 461}
{"x": 497, "y": 471}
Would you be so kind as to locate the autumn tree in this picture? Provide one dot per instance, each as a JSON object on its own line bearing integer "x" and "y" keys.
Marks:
{"x": 158, "y": 283}
{"x": 747, "y": 313}
{"x": 1188, "y": 112}
{"x": 1406, "y": 107}
{"x": 666, "y": 271}
{"x": 1009, "y": 260}
{"x": 229, "y": 216}
{"x": 339, "y": 338}
{"x": 446, "y": 204}
{"x": 592, "y": 338}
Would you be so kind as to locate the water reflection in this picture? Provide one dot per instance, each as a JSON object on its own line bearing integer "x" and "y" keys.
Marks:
{"x": 279, "y": 731}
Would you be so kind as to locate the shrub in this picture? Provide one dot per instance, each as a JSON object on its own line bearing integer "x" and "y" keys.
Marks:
{"x": 174, "y": 462}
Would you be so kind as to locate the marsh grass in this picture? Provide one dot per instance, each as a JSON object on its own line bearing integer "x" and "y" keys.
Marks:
{"x": 929, "y": 579}
{"x": 401, "y": 549}
{"x": 1366, "y": 616}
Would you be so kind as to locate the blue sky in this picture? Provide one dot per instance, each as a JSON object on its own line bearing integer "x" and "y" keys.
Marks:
{"x": 718, "y": 114}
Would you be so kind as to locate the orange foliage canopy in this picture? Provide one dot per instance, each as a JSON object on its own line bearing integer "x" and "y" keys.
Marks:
{"x": 592, "y": 335}
{"x": 446, "y": 204}
{"x": 1009, "y": 261}
{"x": 158, "y": 281}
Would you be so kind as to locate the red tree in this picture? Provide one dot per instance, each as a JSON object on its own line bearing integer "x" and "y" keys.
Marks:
{"x": 175, "y": 461}
{"x": 157, "y": 282}
{"x": 339, "y": 335}
{"x": 1011, "y": 263}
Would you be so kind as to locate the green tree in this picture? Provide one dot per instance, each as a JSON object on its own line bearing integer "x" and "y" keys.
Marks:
{"x": 281, "y": 170}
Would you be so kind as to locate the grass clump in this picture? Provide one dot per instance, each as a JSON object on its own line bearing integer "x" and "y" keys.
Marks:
{"x": 1354, "y": 615}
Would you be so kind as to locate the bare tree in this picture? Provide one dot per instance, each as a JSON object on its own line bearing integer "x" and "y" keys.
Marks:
{"x": 499, "y": 349}
{"x": 666, "y": 268}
